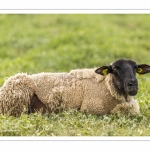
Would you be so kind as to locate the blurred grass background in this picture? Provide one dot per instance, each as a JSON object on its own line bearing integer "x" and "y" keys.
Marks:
{"x": 35, "y": 43}
{"x": 61, "y": 42}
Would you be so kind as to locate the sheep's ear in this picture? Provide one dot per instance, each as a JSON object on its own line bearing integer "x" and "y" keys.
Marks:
{"x": 104, "y": 70}
{"x": 143, "y": 69}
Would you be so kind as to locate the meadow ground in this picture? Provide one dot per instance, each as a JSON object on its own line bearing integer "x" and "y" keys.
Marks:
{"x": 59, "y": 43}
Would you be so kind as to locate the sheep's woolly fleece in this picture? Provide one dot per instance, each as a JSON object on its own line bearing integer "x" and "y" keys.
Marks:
{"x": 80, "y": 89}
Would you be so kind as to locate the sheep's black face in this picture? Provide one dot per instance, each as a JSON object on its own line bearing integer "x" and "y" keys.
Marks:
{"x": 124, "y": 78}
{"x": 124, "y": 75}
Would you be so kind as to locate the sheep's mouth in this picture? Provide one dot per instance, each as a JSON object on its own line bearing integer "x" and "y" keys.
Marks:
{"x": 131, "y": 88}
{"x": 132, "y": 93}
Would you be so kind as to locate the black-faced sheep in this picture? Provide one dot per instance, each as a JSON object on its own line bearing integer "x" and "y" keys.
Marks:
{"x": 105, "y": 90}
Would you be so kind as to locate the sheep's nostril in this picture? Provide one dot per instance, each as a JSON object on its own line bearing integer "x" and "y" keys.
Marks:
{"x": 130, "y": 84}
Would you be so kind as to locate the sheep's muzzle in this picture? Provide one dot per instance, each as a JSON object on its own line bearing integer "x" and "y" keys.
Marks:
{"x": 131, "y": 86}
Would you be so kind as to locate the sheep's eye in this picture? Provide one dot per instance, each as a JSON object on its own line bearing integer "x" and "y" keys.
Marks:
{"x": 115, "y": 68}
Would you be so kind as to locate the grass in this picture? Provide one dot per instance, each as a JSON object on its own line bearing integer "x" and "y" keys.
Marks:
{"x": 58, "y": 43}
{"x": 73, "y": 123}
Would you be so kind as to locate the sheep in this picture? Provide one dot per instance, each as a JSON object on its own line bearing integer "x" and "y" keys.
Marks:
{"x": 104, "y": 90}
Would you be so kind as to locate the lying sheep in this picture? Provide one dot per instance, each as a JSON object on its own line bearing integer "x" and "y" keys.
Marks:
{"x": 105, "y": 90}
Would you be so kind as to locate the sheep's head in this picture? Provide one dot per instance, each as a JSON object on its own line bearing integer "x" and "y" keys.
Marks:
{"x": 124, "y": 74}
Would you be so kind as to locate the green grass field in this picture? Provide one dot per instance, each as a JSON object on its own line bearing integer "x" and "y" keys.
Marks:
{"x": 59, "y": 43}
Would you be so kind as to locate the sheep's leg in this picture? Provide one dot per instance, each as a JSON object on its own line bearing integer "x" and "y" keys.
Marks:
{"x": 131, "y": 107}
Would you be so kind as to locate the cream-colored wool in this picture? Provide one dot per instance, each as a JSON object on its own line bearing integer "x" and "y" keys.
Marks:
{"x": 80, "y": 89}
